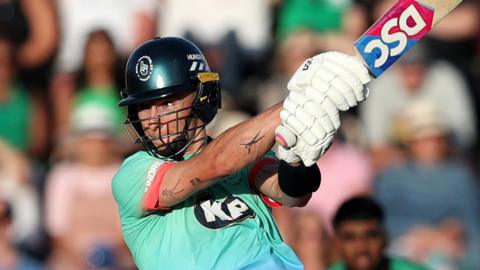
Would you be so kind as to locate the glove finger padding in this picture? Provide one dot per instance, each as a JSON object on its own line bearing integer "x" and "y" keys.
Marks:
{"x": 325, "y": 104}
{"x": 310, "y": 154}
{"x": 323, "y": 83}
{"x": 307, "y": 119}
{"x": 293, "y": 115}
{"x": 328, "y": 81}
{"x": 300, "y": 129}
{"x": 349, "y": 63}
{"x": 348, "y": 76}
{"x": 292, "y": 122}
{"x": 340, "y": 86}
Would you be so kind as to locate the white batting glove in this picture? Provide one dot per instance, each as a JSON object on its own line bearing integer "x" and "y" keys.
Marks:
{"x": 313, "y": 125}
{"x": 338, "y": 76}
{"x": 308, "y": 155}
{"x": 322, "y": 86}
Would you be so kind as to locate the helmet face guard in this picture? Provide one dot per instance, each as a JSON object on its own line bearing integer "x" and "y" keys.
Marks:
{"x": 178, "y": 136}
{"x": 179, "y": 124}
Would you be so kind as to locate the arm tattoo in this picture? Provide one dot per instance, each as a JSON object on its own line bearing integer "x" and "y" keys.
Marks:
{"x": 195, "y": 181}
{"x": 172, "y": 193}
{"x": 251, "y": 143}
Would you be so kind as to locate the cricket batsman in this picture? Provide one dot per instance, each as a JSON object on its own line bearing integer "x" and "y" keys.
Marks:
{"x": 191, "y": 202}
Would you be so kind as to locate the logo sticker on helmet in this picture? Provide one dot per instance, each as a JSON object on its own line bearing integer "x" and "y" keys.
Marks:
{"x": 144, "y": 68}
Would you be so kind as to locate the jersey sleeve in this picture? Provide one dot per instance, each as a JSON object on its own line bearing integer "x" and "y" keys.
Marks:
{"x": 132, "y": 182}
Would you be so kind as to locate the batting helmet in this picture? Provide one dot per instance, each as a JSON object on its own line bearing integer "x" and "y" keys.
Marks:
{"x": 166, "y": 67}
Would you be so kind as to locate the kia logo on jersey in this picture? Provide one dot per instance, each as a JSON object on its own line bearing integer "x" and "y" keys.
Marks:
{"x": 215, "y": 214}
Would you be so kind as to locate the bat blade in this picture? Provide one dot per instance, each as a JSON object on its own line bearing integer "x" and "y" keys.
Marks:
{"x": 393, "y": 34}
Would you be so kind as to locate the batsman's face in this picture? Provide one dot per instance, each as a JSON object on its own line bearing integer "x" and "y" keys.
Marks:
{"x": 361, "y": 244}
{"x": 164, "y": 119}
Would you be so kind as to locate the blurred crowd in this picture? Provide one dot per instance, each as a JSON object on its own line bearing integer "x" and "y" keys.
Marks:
{"x": 412, "y": 146}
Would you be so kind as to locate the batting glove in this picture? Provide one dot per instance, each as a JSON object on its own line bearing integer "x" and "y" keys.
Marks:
{"x": 313, "y": 125}
{"x": 322, "y": 86}
{"x": 338, "y": 76}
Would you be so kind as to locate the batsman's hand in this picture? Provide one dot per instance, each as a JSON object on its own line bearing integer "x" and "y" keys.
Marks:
{"x": 310, "y": 126}
{"x": 319, "y": 89}
{"x": 335, "y": 75}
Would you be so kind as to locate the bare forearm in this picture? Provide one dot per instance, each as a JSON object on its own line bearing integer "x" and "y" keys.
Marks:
{"x": 244, "y": 143}
{"x": 228, "y": 153}
{"x": 44, "y": 32}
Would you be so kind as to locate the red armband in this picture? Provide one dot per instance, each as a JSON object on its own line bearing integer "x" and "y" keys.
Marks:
{"x": 251, "y": 179}
{"x": 152, "y": 195}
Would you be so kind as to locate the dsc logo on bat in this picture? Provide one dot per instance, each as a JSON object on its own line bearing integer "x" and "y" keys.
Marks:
{"x": 400, "y": 37}
{"x": 394, "y": 34}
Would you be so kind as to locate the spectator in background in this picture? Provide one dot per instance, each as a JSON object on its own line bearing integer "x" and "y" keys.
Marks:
{"x": 318, "y": 16}
{"x": 289, "y": 55}
{"x": 431, "y": 199}
{"x": 360, "y": 238}
{"x": 130, "y": 22}
{"x": 33, "y": 27}
{"x": 461, "y": 30}
{"x": 81, "y": 214}
{"x": 338, "y": 183}
{"x": 96, "y": 81}
{"x": 326, "y": 18}
{"x": 23, "y": 142}
{"x": 16, "y": 187}
{"x": 311, "y": 241}
{"x": 235, "y": 36}
{"x": 22, "y": 116}
{"x": 10, "y": 257}
{"x": 415, "y": 77}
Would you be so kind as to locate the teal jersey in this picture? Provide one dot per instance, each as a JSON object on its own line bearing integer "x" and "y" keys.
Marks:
{"x": 226, "y": 226}
{"x": 393, "y": 264}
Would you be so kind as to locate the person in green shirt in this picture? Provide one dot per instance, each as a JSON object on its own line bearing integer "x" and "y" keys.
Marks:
{"x": 361, "y": 238}
{"x": 319, "y": 16}
{"x": 191, "y": 202}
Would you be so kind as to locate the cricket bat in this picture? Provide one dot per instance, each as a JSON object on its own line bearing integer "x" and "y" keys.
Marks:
{"x": 390, "y": 37}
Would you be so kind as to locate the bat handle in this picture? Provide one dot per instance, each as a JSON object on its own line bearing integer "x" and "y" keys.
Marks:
{"x": 285, "y": 137}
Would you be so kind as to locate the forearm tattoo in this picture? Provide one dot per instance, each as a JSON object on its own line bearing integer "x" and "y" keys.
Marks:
{"x": 252, "y": 142}
{"x": 195, "y": 181}
{"x": 172, "y": 193}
